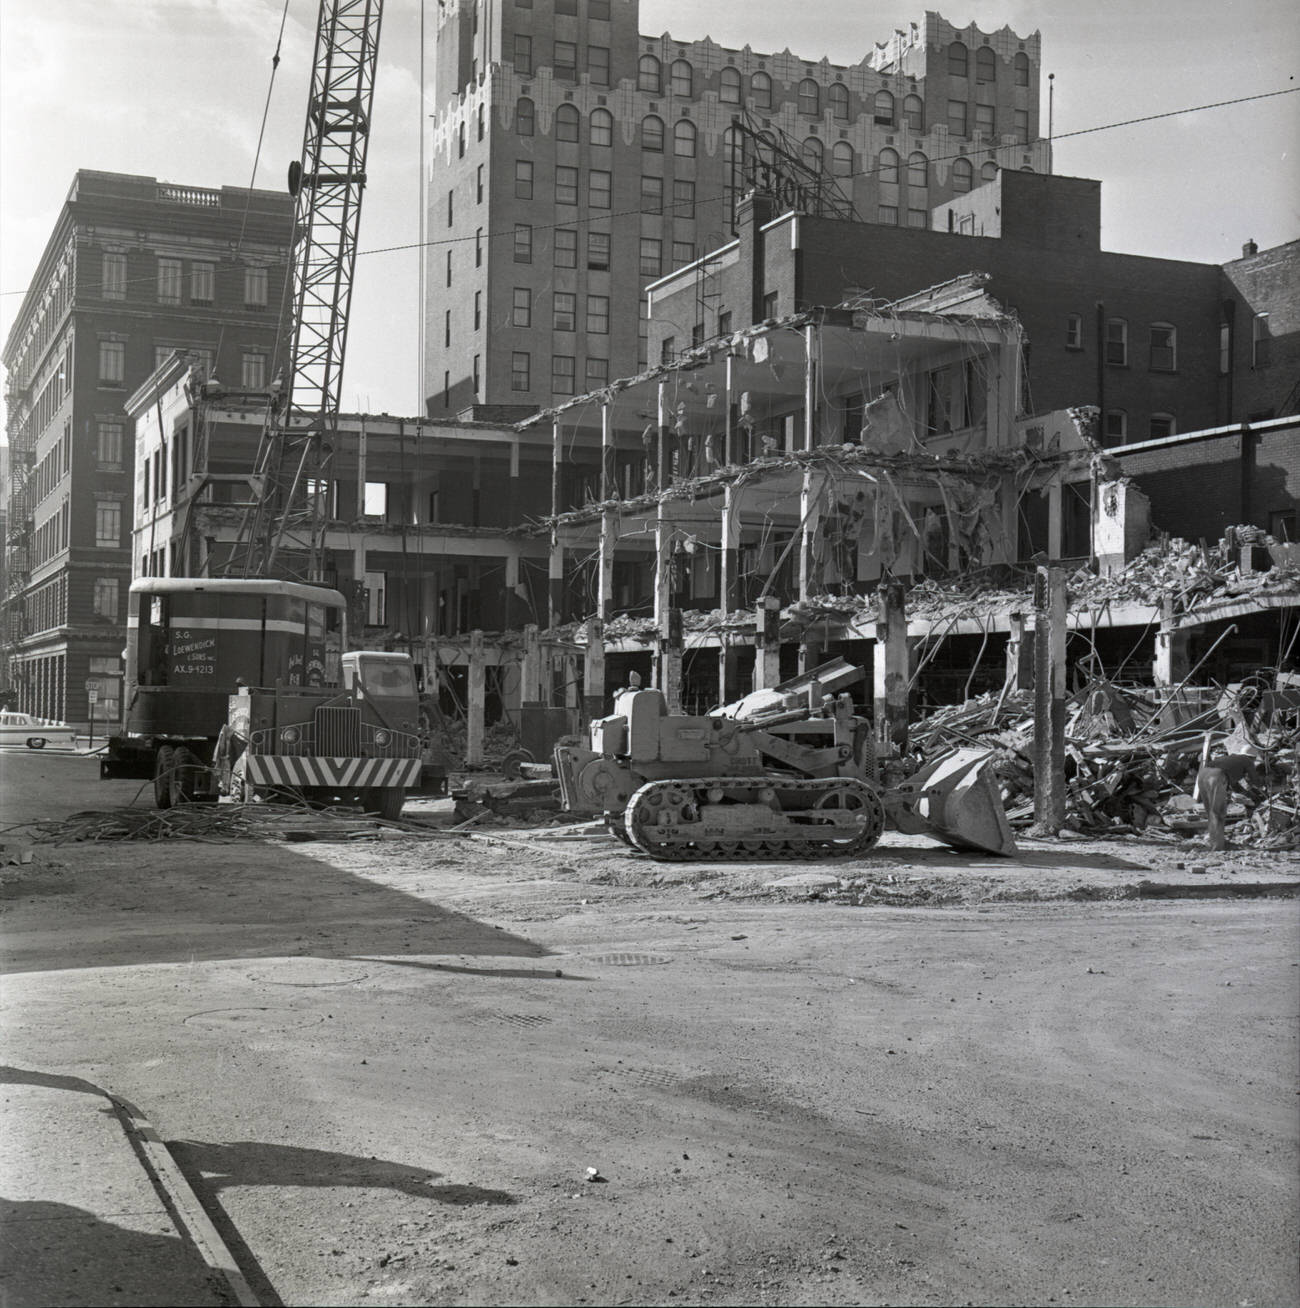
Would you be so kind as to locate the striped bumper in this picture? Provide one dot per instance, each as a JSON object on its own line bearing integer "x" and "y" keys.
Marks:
{"x": 337, "y": 773}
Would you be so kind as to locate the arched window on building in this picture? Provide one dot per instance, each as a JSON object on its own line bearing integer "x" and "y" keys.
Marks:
{"x": 887, "y": 169}
{"x": 566, "y": 123}
{"x": 883, "y": 109}
{"x": 684, "y": 138}
{"x": 810, "y": 98}
{"x": 649, "y": 75}
{"x": 729, "y": 86}
{"x": 525, "y": 117}
{"x": 842, "y": 159}
{"x": 1160, "y": 426}
{"x": 812, "y": 153}
{"x": 918, "y": 171}
{"x": 760, "y": 88}
{"x": 602, "y": 127}
{"x": 683, "y": 80}
{"x": 1021, "y": 66}
{"x": 914, "y": 113}
{"x": 652, "y": 134}
{"x": 958, "y": 60}
{"x": 962, "y": 175}
{"x": 986, "y": 64}
{"x": 989, "y": 171}
{"x": 837, "y": 97}
{"x": 1025, "y": 168}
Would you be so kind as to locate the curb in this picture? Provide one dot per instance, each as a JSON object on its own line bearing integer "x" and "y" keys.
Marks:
{"x": 181, "y": 1201}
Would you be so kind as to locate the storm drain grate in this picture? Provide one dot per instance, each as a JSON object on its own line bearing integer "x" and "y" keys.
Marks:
{"x": 629, "y": 960}
{"x": 511, "y": 1019}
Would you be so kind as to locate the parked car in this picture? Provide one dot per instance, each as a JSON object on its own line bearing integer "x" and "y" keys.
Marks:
{"x": 23, "y": 729}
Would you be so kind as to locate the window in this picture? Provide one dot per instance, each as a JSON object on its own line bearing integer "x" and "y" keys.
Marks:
{"x": 1259, "y": 338}
{"x": 598, "y": 314}
{"x": 957, "y": 117}
{"x": 252, "y": 370}
{"x": 1225, "y": 349}
{"x": 684, "y": 138}
{"x": 482, "y": 122}
{"x": 599, "y": 187}
{"x": 651, "y": 257}
{"x": 684, "y": 199}
{"x": 918, "y": 171}
{"x": 598, "y": 9}
{"x": 114, "y": 277}
{"x": 602, "y": 127}
{"x": 523, "y": 54}
{"x": 106, "y": 598}
{"x": 652, "y": 134}
{"x": 1116, "y": 426}
{"x": 989, "y": 171}
{"x": 598, "y": 65}
{"x": 957, "y": 60}
{"x": 883, "y": 109}
{"x": 598, "y": 251}
{"x": 202, "y": 276}
{"x": 918, "y": 218}
{"x": 811, "y": 153}
{"x": 170, "y": 273}
{"x": 887, "y": 214}
{"x": 914, "y": 113}
{"x": 112, "y": 363}
{"x": 729, "y": 86}
{"x": 525, "y": 117}
{"x": 451, "y": 207}
{"x": 649, "y": 76}
{"x": 520, "y": 367}
{"x": 652, "y": 194}
{"x": 1021, "y": 65}
{"x": 1282, "y": 524}
{"x": 460, "y": 141}
{"x": 478, "y": 310}
{"x": 523, "y": 243}
{"x": 566, "y": 8}
{"x": 666, "y": 349}
{"x": 962, "y": 175}
{"x": 810, "y": 98}
{"x": 682, "y": 79}
{"x": 597, "y": 373}
{"x": 478, "y": 249}
{"x": 1162, "y": 425}
{"x": 984, "y": 120}
{"x": 566, "y": 185}
{"x": 760, "y": 88}
{"x": 1117, "y": 342}
{"x": 478, "y": 184}
{"x": 1164, "y": 347}
{"x": 566, "y": 123}
{"x": 109, "y": 445}
{"x": 523, "y": 179}
{"x": 724, "y": 322}
{"x": 986, "y": 64}
{"x": 887, "y": 168}
{"x": 254, "y": 288}
{"x": 562, "y": 374}
{"x": 1074, "y": 332}
{"x": 683, "y": 253}
{"x": 1020, "y": 125}
{"x": 108, "y": 525}
{"x": 521, "y": 313}
{"x": 566, "y": 60}
{"x": 446, "y": 327}
{"x": 563, "y": 318}
{"x": 376, "y": 586}
{"x": 837, "y": 98}
{"x": 566, "y": 248}
{"x": 771, "y": 302}
{"x": 478, "y": 376}
{"x": 842, "y": 159}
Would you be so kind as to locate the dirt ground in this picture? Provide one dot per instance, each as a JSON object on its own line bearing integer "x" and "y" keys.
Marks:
{"x": 390, "y": 1066}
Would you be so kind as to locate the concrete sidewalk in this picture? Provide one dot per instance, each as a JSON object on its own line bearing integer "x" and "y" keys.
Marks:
{"x": 92, "y": 1208}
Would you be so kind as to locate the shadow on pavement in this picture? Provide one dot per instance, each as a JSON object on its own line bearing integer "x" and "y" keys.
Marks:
{"x": 201, "y": 902}
{"x": 1079, "y": 860}
{"x": 50, "y": 1081}
{"x": 54, "y": 1253}
{"x": 250, "y": 1162}
{"x": 521, "y": 973}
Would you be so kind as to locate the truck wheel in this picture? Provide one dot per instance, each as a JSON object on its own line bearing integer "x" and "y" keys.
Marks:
{"x": 162, "y": 777}
{"x": 388, "y": 801}
{"x": 185, "y": 776}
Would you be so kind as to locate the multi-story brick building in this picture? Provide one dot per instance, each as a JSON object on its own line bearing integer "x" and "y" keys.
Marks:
{"x": 134, "y": 271}
{"x": 577, "y": 159}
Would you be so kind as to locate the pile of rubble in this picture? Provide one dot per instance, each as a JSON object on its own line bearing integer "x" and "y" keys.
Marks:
{"x": 1132, "y": 756}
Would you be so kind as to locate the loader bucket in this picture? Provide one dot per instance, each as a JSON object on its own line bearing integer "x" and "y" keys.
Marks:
{"x": 954, "y": 799}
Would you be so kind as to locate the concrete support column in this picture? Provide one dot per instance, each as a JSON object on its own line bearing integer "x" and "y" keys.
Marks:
{"x": 570, "y": 664}
{"x": 476, "y": 703}
{"x": 1171, "y": 664}
{"x": 593, "y": 687}
{"x": 767, "y": 641}
{"x": 512, "y": 486}
{"x": 1020, "y": 655}
{"x": 1050, "y": 614}
{"x": 891, "y": 673}
{"x": 531, "y": 686}
{"x": 671, "y": 644}
{"x": 1055, "y": 532}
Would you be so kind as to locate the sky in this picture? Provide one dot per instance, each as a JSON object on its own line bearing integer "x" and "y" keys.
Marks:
{"x": 175, "y": 89}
